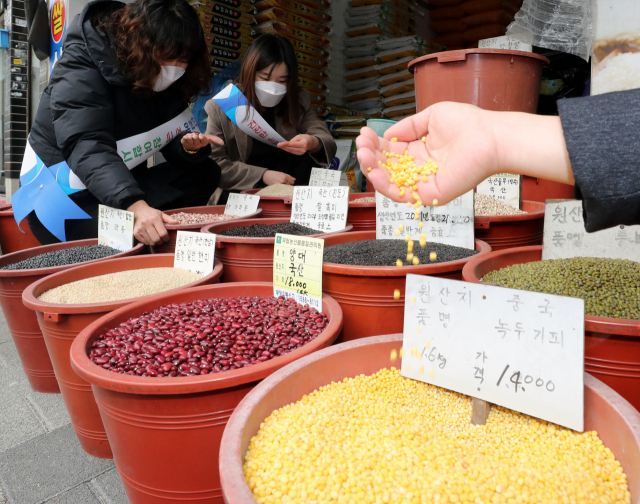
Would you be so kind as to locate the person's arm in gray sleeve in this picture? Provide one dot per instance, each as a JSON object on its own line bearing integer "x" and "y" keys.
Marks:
{"x": 602, "y": 137}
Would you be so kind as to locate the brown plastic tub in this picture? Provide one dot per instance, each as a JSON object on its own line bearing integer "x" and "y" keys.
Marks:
{"x": 61, "y": 323}
{"x": 273, "y": 207}
{"x": 362, "y": 215}
{"x": 615, "y": 420}
{"x": 22, "y": 322}
{"x": 165, "y": 432}
{"x": 170, "y": 246}
{"x": 508, "y": 231}
{"x": 537, "y": 189}
{"x": 492, "y": 79}
{"x": 11, "y": 238}
{"x": 248, "y": 259}
{"x": 612, "y": 346}
{"x": 365, "y": 293}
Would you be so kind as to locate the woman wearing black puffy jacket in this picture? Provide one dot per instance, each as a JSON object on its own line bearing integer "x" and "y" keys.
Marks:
{"x": 119, "y": 94}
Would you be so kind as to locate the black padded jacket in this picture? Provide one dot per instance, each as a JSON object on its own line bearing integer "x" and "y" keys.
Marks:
{"x": 89, "y": 105}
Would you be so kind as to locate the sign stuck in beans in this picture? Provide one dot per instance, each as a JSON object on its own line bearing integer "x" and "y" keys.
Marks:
{"x": 297, "y": 269}
{"x": 323, "y": 177}
{"x": 115, "y": 228}
{"x": 565, "y": 235}
{"x": 195, "y": 252}
{"x": 522, "y": 350}
{"x": 451, "y": 224}
{"x": 241, "y": 204}
{"x": 321, "y": 208}
{"x": 504, "y": 187}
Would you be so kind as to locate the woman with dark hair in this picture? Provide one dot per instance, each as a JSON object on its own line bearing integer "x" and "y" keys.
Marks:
{"x": 118, "y": 95}
{"x": 269, "y": 80}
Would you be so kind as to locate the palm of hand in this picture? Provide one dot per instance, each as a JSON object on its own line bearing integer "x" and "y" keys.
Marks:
{"x": 456, "y": 141}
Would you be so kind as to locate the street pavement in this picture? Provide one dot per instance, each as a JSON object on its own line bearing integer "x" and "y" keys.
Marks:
{"x": 40, "y": 458}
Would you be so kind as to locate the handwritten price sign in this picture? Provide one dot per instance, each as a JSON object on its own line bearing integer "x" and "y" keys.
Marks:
{"x": 195, "y": 252}
{"x": 504, "y": 187}
{"x": 241, "y": 204}
{"x": 522, "y": 350}
{"x": 297, "y": 269}
{"x": 115, "y": 228}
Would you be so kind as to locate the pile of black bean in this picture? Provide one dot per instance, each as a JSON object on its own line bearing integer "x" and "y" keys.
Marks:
{"x": 387, "y": 252}
{"x": 63, "y": 257}
{"x": 270, "y": 230}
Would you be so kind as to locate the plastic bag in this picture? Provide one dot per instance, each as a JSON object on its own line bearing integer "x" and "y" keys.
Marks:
{"x": 563, "y": 25}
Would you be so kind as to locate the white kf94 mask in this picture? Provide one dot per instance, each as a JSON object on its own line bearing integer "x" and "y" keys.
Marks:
{"x": 270, "y": 93}
{"x": 168, "y": 75}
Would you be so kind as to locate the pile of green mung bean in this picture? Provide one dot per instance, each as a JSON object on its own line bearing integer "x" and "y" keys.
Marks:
{"x": 610, "y": 287}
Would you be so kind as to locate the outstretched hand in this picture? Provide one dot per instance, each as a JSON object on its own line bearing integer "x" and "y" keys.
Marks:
{"x": 459, "y": 139}
{"x": 196, "y": 141}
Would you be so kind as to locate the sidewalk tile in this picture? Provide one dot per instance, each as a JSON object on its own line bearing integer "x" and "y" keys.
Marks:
{"x": 46, "y": 466}
{"x": 78, "y": 495}
{"x": 109, "y": 487}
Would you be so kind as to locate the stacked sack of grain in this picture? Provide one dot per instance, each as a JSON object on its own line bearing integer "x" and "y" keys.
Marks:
{"x": 304, "y": 24}
{"x": 227, "y": 29}
{"x": 461, "y": 24}
{"x": 387, "y": 87}
{"x": 344, "y": 123}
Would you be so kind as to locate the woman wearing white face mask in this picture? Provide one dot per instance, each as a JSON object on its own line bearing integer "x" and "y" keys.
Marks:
{"x": 119, "y": 94}
{"x": 269, "y": 80}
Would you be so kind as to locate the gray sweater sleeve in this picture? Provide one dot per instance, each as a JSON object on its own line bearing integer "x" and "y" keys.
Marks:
{"x": 602, "y": 136}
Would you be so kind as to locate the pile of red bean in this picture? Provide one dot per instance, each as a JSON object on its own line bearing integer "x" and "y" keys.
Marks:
{"x": 207, "y": 336}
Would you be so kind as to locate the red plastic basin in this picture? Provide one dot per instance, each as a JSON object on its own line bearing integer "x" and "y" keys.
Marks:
{"x": 23, "y": 323}
{"x": 492, "y": 79}
{"x": 612, "y": 346}
{"x": 165, "y": 432}
{"x": 537, "y": 189}
{"x": 249, "y": 259}
{"x": 362, "y": 215}
{"x": 11, "y": 238}
{"x": 273, "y": 207}
{"x": 61, "y": 323}
{"x": 365, "y": 293}
{"x": 616, "y": 422}
{"x": 508, "y": 231}
{"x": 170, "y": 246}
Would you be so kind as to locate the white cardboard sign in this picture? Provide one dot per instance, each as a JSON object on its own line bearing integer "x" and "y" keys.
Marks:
{"x": 505, "y": 42}
{"x": 321, "y": 208}
{"x": 518, "y": 349}
{"x": 451, "y": 224}
{"x": 566, "y": 237}
{"x": 195, "y": 252}
{"x": 241, "y": 204}
{"x": 504, "y": 187}
{"x": 323, "y": 177}
{"x": 115, "y": 228}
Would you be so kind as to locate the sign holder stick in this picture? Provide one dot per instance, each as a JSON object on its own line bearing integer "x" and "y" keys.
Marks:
{"x": 480, "y": 411}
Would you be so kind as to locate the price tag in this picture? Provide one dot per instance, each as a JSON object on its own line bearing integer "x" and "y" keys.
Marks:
{"x": 297, "y": 269}
{"x": 519, "y": 349}
{"x": 321, "y": 208}
{"x": 505, "y": 42}
{"x": 195, "y": 252}
{"x": 451, "y": 224}
{"x": 323, "y": 177}
{"x": 566, "y": 237}
{"x": 504, "y": 187}
{"x": 115, "y": 228}
{"x": 241, "y": 204}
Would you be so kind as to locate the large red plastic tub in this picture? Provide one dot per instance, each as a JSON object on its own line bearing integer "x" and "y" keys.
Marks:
{"x": 11, "y": 238}
{"x": 612, "y": 346}
{"x": 537, "y": 189}
{"x": 362, "y": 215}
{"x": 170, "y": 246}
{"x": 615, "y": 420}
{"x": 249, "y": 259}
{"x": 165, "y": 432}
{"x": 61, "y": 323}
{"x": 273, "y": 207}
{"x": 508, "y": 231}
{"x": 492, "y": 79}
{"x": 365, "y": 293}
{"x": 22, "y": 322}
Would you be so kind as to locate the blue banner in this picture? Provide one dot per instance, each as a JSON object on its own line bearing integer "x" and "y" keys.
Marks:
{"x": 58, "y": 22}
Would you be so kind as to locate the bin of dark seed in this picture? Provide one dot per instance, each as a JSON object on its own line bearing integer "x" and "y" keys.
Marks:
{"x": 387, "y": 252}
{"x": 63, "y": 257}
{"x": 270, "y": 230}
{"x": 207, "y": 336}
{"x": 609, "y": 287}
